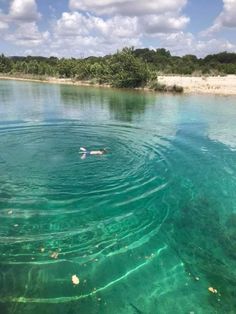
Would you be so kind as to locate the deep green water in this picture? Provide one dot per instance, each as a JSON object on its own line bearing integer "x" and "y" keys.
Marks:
{"x": 147, "y": 228}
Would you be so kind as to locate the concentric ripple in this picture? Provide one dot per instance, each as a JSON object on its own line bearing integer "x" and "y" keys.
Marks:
{"x": 146, "y": 228}
{"x": 59, "y": 211}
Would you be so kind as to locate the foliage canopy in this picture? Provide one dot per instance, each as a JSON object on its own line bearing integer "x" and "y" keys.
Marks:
{"x": 127, "y": 68}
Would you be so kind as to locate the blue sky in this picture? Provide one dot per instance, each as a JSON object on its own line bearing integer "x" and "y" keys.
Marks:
{"x": 75, "y": 28}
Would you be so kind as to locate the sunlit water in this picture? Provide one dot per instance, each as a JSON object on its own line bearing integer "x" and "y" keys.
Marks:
{"x": 147, "y": 228}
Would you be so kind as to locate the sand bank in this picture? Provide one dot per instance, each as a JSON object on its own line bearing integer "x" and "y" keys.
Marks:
{"x": 52, "y": 80}
{"x": 220, "y": 85}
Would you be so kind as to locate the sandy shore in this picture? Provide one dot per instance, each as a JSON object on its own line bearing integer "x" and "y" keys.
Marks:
{"x": 218, "y": 85}
{"x": 51, "y": 80}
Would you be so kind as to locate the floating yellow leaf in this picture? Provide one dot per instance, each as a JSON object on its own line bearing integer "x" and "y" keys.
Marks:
{"x": 75, "y": 280}
{"x": 212, "y": 290}
{"x": 54, "y": 255}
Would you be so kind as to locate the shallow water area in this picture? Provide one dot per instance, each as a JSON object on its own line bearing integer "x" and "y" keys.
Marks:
{"x": 148, "y": 227}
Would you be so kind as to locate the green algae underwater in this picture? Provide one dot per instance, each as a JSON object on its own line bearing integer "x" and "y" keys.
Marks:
{"x": 147, "y": 228}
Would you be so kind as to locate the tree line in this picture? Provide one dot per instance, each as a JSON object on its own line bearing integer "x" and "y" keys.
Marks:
{"x": 126, "y": 68}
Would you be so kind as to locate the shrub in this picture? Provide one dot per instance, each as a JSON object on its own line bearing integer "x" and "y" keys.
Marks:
{"x": 158, "y": 87}
{"x": 177, "y": 89}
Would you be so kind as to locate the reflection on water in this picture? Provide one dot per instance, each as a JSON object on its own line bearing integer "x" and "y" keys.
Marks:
{"x": 150, "y": 225}
{"x": 121, "y": 106}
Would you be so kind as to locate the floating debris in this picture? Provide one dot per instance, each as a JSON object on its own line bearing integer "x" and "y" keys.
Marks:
{"x": 197, "y": 278}
{"x": 10, "y": 212}
{"x": 212, "y": 290}
{"x": 149, "y": 256}
{"x": 75, "y": 280}
{"x": 54, "y": 255}
{"x": 42, "y": 249}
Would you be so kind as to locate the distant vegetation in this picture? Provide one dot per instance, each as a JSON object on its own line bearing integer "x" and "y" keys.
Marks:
{"x": 129, "y": 68}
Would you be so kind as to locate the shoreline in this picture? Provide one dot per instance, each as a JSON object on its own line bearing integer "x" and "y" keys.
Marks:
{"x": 52, "y": 80}
{"x": 215, "y": 85}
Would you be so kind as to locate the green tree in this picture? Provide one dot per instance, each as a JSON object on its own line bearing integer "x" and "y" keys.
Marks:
{"x": 33, "y": 67}
{"x": 5, "y": 64}
{"x": 126, "y": 70}
{"x": 66, "y": 68}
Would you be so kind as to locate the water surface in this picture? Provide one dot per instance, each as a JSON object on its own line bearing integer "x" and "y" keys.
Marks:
{"x": 147, "y": 228}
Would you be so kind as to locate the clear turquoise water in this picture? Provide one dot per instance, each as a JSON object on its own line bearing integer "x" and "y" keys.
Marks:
{"x": 147, "y": 228}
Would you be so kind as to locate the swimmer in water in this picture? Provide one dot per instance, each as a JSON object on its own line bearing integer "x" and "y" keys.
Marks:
{"x": 86, "y": 152}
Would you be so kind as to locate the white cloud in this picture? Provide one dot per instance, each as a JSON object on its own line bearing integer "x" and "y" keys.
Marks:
{"x": 101, "y": 27}
{"x": 98, "y": 27}
{"x": 76, "y": 34}
{"x": 3, "y": 25}
{"x": 150, "y": 17}
{"x": 117, "y": 27}
{"x": 75, "y": 24}
{"x": 127, "y": 7}
{"x": 21, "y": 21}
{"x": 84, "y": 46}
{"x": 181, "y": 43}
{"x": 72, "y": 24}
{"x": 3, "y": 22}
{"x": 166, "y": 23}
{"x": 93, "y": 35}
{"x": 85, "y": 30}
{"x": 227, "y": 18}
{"x": 24, "y": 10}
{"x": 27, "y": 34}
